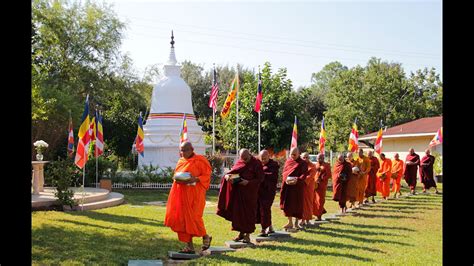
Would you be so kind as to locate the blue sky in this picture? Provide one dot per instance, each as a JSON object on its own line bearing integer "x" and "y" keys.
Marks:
{"x": 301, "y": 36}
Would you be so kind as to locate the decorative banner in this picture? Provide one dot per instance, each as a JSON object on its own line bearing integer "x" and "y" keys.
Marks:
{"x": 378, "y": 142}
{"x": 438, "y": 138}
{"x": 322, "y": 138}
{"x": 354, "y": 138}
{"x": 294, "y": 135}
{"x": 230, "y": 96}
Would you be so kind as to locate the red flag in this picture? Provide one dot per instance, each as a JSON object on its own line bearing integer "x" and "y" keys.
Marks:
{"x": 258, "y": 100}
{"x": 214, "y": 93}
{"x": 84, "y": 138}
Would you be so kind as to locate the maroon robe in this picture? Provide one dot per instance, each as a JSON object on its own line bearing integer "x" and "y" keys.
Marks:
{"x": 339, "y": 187}
{"x": 426, "y": 171}
{"x": 291, "y": 196}
{"x": 266, "y": 193}
{"x": 371, "y": 189}
{"x": 238, "y": 203}
{"x": 411, "y": 170}
{"x": 323, "y": 173}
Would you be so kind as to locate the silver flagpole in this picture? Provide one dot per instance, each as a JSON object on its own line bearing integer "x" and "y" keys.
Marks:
{"x": 95, "y": 151}
{"x": 213, "y": 114}
{"x": 237, "y": 116}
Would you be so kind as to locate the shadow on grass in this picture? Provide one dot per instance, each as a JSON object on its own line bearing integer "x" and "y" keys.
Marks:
{"x": 381, "y": 209}
{"x": 360, "y": 239}
{"x": 315, "y": 252}
{"x": 338, "y": 245}
{"x": 357, "y": 232}
{"x": 120, "y": 219}
{"x": 53, "y": 245}
{"x": 224, "y": 258}
{"x": 366, "y": 215}
{"x": 369, "y": 226}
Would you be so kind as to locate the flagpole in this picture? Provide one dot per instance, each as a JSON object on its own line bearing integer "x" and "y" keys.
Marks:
{"x": 213, "y": 114}
{"x": 259, "y": 114}
{"x": 237, "y": 116}
{"x": 95, "y": 151}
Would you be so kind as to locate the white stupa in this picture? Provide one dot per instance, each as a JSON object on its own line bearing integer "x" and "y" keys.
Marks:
{"x": 171, "y": 98}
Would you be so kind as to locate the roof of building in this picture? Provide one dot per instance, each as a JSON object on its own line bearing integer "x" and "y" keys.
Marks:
{"x": 420, "y": 127}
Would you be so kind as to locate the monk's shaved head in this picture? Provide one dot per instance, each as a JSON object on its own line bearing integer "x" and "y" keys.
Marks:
{"x": 427, "y": 152}
{"x": 370, "y": 153}
{"x": 396, "y": 156}
{"x": 264, "y": 156}
{"x": 361, "y": 152}
{"x": 186, "y": 145}
{"x": 186, "y": 149}
{"x": 294, "y": 153}
{"x": 340, "y": 158}
{"x": 411, "y": 150}
{"x": 349, "y": 155}
{"x": 244, "y": 155}
{"x": 320, "y": 157}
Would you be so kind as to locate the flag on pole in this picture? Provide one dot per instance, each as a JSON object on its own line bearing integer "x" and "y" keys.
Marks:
{"x": 438, "y": 138}
{"x": 183, "y": 136}
{"x": 99, "y": 142}
{"x": 214, "y": 93}
{"x": 84, "y": 138}
{"x": 294, "y": 135}
{"x": 70, "y": 139}
{"x": 140, "y": 137}
{"x": 258, "y": 100}
{"x": 354, "y": 138}
{"x": 92, "y": 129}
{"x": 234, "y": 87}
{"x": 322, "y": 137}
{"x": 378, "y": 142}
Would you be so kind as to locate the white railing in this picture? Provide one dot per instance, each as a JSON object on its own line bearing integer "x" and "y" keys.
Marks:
{"x": 150, "y": 185}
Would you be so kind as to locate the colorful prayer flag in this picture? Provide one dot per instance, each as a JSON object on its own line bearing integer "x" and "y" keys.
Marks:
{"x": 140, "y": 137}
{"x": 214, "y": 93}
{"x": 294, "y": 135}
{"x": 378, "y": 142}
{"x": 258, "y": 100}
{"x": 354, "y": 138}
{"x": 99, "y": 142}
{"x": 234, "y": 87}
{"x": 70, "y": 139}
{"x": 438, "y": 138}
{"x": 84, "y": 138}
{"x": 322, "y": 137}
{"x": 184, "y": 131}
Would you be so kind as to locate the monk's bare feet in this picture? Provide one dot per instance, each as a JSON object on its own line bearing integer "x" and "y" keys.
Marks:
{"x": 239, "y": 237}
{"x": 288, "y": 226}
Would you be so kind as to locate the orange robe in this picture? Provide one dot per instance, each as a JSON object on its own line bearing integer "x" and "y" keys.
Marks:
{"x": 353, "y": 183}
{"x": 323, "y": 173}
{"x": 383, "y": 185}
{"x": 397, "y": 173}
{"x": 186, "y": 203}
{"x": 364, "y": 166}
{"x": 308, "y": 192}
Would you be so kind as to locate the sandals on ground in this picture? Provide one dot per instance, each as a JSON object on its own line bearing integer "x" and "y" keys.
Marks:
{"x": 239, "y": 238}
{"x": 206, "y": 243}
{"x": 187, "y": 250}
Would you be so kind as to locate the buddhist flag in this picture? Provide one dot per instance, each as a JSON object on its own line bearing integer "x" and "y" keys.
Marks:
{"x": 184, "y": 131}
{"x": 294, "y": 135}
{"x": 234, "y": 87}
{"x": 92, "y": 129}
{"x": 140, "y": 137}
{"x": 322, "y": 137}
{"x": 354, "y": 138}
{"x": 258, "y": 100}
{"x": 438, "y": 138}
{"x": 84, "y": 138}
{"x": 70, "y": 139}
{"x": 378, "y": 142}
{"x": 214, "y": 93}
{"x": 99, "y": 132}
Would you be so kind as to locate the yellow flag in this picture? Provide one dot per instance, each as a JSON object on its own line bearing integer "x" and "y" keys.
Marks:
{"x": 230, "y": 96}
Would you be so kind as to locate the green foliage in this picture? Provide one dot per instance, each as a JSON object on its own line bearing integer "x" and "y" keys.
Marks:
{"x": 62, "y": 174}
{"x": 146, "y": 174}
{"x": 103, "y": 164}
{"x": 438, "y": 164}
{"x": 216, "y": 162}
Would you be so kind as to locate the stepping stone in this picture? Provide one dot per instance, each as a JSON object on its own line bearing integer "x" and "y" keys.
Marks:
{"x": 330, "y": 218}
{"x": 235, "y": 245}
{"x": 259, "y": 239}
{"x": 321, "y": 222}
{"x": 352, "y": 210}
{"x": 280, "y": 234}
{"x": 182, "y": 256}
{"x": 145, "y": 263}
{"x": 340, "y": 214}
{"x": 219, "y": 250}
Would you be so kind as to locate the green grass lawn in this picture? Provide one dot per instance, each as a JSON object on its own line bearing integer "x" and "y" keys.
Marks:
{"x": 405, "y": 231}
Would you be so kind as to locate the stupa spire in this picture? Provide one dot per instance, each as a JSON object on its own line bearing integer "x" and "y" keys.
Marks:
{"x": 172, "y": 58}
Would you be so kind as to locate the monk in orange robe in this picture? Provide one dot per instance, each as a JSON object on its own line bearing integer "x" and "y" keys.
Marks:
{"x": 291, "y": 193}
{"x": 352, "y": 184}
{"x": 187, "y": 199}
{"x": 238, "y": 199}
{"x": 371, "y": 189}
{"x": 364, "y": 165}
{"x": 383, "y": 176}
{"x": 397, "y": 173}
{"x": 308, "y": 193}
{"x": 323, "y": 173}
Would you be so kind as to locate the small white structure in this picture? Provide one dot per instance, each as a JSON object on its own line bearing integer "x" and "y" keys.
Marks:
{"x": 171, "y": 99}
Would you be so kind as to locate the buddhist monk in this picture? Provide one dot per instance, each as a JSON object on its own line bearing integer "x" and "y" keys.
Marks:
{"x": 397, "y": 173}
{"x": 291, "y": 193}
{"x": 412, "y": 162}
{"x": 352, "y": 184}
{"x": 341, "y": 174}
{"x": 238, "y": 200}
{"x": 426, "y": 171}
{"x": 383, "y": 176}
{"x": 266, "y": 193}
{"x": 308, "y": 193}
{"x": 187, "y": 199}
{"x": 371, "y": 189}
{"x": 323, "y": 173}
{"x": 364, "y": 165}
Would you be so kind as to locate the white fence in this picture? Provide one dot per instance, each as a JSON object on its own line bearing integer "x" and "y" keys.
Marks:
{"x": 150, "y": 185}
